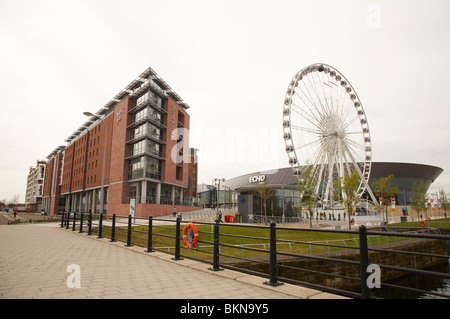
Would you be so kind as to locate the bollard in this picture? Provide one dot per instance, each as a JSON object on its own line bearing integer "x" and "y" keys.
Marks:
{"x": 89, "y": 223}
{"x": 177, "y": 241}
{"x": 113, "y": 228}
{"x": 364, "y": 262}
{"x": 81, "y": 222}
{"x": 67, "y": 220}
{"x": 62, "y": 219}
{"x": 129, "y": 232}
{"x": 216, "y": 252}
{"x": 100, "y": 220}
{"x": 150, "y": 233}
{"x": 273, "y": 257}
{"x": 73, "y": 222}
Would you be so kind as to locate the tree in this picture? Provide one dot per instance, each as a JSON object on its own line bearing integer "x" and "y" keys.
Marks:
{"x": 418, "y": 197}
{"x": 383, "y": 188}
{"x": 444, "y": 201}
{"x": 3, "y": 203}
{"x": 306, "y": 187}
{"x": 348, "y": 187}
{"x": 266, "y": 192}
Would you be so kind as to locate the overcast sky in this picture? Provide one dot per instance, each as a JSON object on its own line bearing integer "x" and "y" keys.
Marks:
{"x": 231, "y": 61}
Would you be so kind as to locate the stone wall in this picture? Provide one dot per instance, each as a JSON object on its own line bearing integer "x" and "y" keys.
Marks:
{"x": 339, "y": 275}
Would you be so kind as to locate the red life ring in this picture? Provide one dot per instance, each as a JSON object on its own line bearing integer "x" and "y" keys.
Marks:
{"x": 190, "y": 235}
{"x": 421, "y": 223}
{"x": 428, "y": 219}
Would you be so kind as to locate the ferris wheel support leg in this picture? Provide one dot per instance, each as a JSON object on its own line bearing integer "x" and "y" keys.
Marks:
{"x": 369, "y": 190}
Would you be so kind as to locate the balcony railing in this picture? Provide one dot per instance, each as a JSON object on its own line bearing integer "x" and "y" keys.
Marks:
{"x": 146, "y": 102}
{"x": 144, "y": 174}
{"x": 152, "y": 118}
{"x": 145, "y": 151}
{"x": 154, "y": 137}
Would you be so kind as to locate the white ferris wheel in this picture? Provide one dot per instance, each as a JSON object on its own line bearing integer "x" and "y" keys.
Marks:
{"x": 326, "y": 130}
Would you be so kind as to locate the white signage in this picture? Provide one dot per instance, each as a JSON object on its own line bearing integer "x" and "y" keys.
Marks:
{"x": 119, "y": 116}
{"x": 132, "y": 206}
{"x": 257, "y": 178}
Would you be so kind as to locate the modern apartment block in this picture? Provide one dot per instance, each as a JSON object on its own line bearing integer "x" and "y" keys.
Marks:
{"x": 52, "y": 202}
{"x": 35, "y": 186}
{"x": 144, "y": 134}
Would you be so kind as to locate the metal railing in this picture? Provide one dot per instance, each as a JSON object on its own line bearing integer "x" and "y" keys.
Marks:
{"x": 348, "y": 263}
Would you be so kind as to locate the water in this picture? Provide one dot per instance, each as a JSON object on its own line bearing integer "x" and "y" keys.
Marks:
{"x": 427, "y": 283}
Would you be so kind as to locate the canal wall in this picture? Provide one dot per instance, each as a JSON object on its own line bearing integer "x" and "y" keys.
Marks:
{"x": 346, "y": 276}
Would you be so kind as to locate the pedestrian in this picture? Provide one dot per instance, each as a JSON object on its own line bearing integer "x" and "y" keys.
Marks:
{"x": 220, "y": 216}
{"x": 174, "y": 211}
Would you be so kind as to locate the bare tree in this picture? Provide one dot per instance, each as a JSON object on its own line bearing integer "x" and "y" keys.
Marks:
{"x": 444, "y": 201}
{"x": 382, "y": 187}
{"x": 306, "y": 187}
{"x": 265, "y": 192}
{"x": 349, "y": 188}
{"x": 14, "y": 200}
{"x": 418, "y": 198}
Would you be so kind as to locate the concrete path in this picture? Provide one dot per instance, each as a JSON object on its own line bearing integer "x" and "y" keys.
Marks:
{"x": 43, "y": 261}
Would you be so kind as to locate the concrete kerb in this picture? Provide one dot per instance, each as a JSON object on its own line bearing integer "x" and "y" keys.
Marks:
{"x": 288, "y": 289}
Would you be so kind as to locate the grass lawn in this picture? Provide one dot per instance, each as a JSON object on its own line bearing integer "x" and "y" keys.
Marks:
{"x": 299, "y": 241}
{"x": 437, "y": 223}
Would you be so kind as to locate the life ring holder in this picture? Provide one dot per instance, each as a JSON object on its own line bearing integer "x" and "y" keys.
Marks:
{"x": 190, "y": 235}
{"x": 422, "y": 223}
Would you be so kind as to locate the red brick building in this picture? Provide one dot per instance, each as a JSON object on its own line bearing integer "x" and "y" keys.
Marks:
{"x": 147, "y": 156}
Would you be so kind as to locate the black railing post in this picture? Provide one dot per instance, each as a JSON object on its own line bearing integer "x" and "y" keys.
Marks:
{"x": 100, "y": 221}
{"x": 216, "y": 252}
{"x": 89, "y": 223}
{"x": 73, "y": 223}
{"x": 113, "y": 228}
{"x": 364, "y": 262}
{"x": 129, "y": 231}
{"x": 62, "y": 219}
{"x": 68, "y": 220}
{"x": 150, "y": 235}
{"x": 177, "y": 240}
{"x": 273, "y": 257}
{"x": 81, "y": 222}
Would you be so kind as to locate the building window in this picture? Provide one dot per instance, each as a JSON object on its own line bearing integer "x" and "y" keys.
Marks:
{"x": 180, "y": 119}
{"x": 142, "y": 99}
{"x": 153, "y": 168}
{"x": 144, "y": 166}
{"x": 155, "y": 99}
{"x": 179, "y": 173}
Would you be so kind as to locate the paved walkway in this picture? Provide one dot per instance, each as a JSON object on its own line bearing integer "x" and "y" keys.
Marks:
{"x": 34, "y": 261}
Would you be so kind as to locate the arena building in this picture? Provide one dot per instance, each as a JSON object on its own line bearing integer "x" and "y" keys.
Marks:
{"x": 284, "y": 183}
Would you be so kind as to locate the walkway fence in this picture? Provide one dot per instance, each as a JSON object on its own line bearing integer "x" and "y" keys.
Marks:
{"x": 352, "y": 263}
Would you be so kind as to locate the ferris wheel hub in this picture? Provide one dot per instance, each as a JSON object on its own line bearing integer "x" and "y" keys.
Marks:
{"x": 340, "y": 132}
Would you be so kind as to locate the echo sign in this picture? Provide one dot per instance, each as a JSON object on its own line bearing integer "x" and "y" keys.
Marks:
{"x": 257, "y": 178}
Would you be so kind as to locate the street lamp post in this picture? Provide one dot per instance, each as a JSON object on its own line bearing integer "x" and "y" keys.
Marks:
{"x": 218, "y": 191}
{"x": 104, "y": 157}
